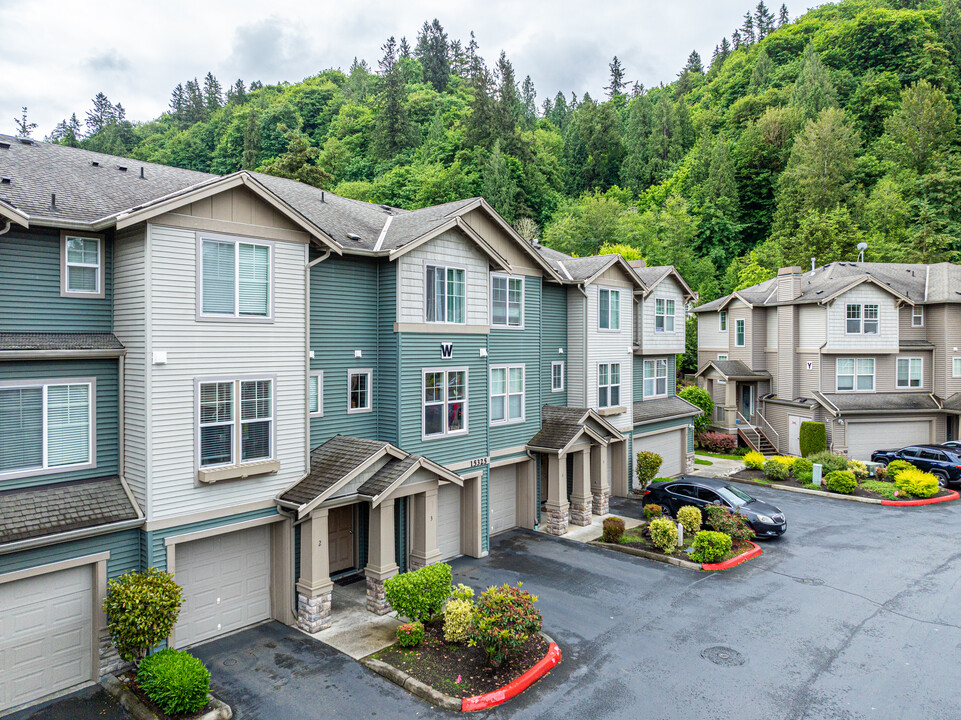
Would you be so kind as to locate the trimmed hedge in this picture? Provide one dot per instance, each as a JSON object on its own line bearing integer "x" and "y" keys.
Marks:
{"x": 710, "y": 546}
{"x": 716, "y": 442}
{"x": 419, "y": 595}
{"x": 917, "y": 483}
{"x": 813, "y": 438}
{"x": 175, "y": 680}
{"x": 841, "y": 481}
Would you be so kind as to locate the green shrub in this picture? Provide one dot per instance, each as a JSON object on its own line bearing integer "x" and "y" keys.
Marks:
{"x": 613, "y": 530}
{"x": 896, "y": 467}
{"x": 754, "y": 460}
{"x": 663, "y": 535}
{"x": 462, "y": 592}
{"x": 776, "y": 471}
{"x": 411, "y": 634}
{"x": 813, "y": 438}
{"x": 653, "y": 510}
{"x": 785, "y": 460}
{"x": 880, "y": 487}
{"x": 917, "y": 483}
{"x": 648, "y": 463}
{"x": 419, "y": 595}
{"x": 710, "y": 546}
{"x": 721, "y": 519}
{"x": 141, "y": 609}
{"x": 829, "y": 461}
{"x": 841, "y": 481}
{"x": 504, "y": 618}
{"x": 457, "y": 618}
{"x": 690, "y": 519}
{"x": 175, "y": 680}
{"x": 802, "y": 465}
{"x": 702, "y": 399}
{"x": 858, "y": 469}
{"x": 805, "y": 478}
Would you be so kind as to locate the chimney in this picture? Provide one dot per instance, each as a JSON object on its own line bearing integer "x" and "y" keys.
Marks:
{"x": 788, "y": 283}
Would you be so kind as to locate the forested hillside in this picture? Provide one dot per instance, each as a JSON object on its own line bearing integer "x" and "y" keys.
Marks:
{"x": 798, "y": 139}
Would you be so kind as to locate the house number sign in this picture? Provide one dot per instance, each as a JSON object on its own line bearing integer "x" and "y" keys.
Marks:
{"x": 480, "y": 462}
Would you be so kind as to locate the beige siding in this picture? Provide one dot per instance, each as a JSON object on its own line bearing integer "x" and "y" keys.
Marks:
{"x": 576, "y": 367}
{"x": 771, "y": 320}
{"x": 786, "y": 349}
{"x": 610, "y": 347}
{"x": 521, "y": 263}
{"x": 887, "y": 338}
{"x": 907, "y": 332}
{"x": 740, "y": 311}
{"x": 758, "y": 337}
{"x": 948, "y": 347}
{"x": 886, "y": 372}
{"x": 811, "y": 331}
{"x": 709, "y": 336}
{"x": 778, "y": 416}
{"x": 807, "y": 381}
{"x": 665, "y": 342}
{"x": 239, "y": 205}
{"x": 770, "y": 364}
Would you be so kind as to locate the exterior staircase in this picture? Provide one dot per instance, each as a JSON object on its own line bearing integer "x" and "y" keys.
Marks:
{"x": 755, "y": 437}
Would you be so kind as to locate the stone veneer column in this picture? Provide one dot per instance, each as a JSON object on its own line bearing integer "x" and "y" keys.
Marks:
{"x": 314, "y": 587}
{"x": 381, "y": 562}
{"x": 557, "y": 507}
{"x": 425, "y": 550}
{"x": 581, "y": 500}
{"x": 600, "y": 480}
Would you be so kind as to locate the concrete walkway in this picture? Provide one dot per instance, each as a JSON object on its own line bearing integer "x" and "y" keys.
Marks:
{"x": 586, "y": 533}
{"x": 719, "y": 467}
{"x": 354, "y": 630}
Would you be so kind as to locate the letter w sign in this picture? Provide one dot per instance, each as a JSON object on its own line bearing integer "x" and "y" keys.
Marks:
{"x": 447, "y": 350}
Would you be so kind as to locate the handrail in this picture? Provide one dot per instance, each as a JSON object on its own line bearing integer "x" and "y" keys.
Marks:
{"x": 774, "y": 432}
{"x": 748, "y": 426}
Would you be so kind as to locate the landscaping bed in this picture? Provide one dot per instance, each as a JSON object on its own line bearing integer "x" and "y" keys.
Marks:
{"x": 870, "y": 489}
{"x": 634, "y": 538}
{"x": 129, "y": 679}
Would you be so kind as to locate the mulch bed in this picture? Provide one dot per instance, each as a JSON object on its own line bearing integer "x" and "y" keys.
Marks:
{"x": 129, "y": 679}
{"x": 439, "y": 664}
{"x": 633, "y": 538}
{"x": 791, "y": 481}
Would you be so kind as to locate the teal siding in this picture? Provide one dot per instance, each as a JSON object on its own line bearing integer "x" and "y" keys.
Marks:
{"x": 30, "y": 272}
{"x": 672, "y": 375}
{"x": 553, "y": 336}
{"x": 485, "y": 509}
{"x": 639, "y": 375}
{"x": 105, "y": 371}
{"x": 663, "y": 425}
{"x": 388, "y": 371}
{"x": 363, "y": 533}
{"x": 123, "y": 546}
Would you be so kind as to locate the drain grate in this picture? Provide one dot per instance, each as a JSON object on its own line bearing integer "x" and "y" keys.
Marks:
{"x": 720, "y": 655}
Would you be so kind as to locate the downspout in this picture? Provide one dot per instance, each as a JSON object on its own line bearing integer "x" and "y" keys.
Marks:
{"x": 6, "y": 228}
{"x": 309, "y": 265}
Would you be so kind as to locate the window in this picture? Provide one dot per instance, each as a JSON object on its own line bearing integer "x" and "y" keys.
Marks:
{"x": 855, "y": 374}
{"x": 235, "y": 279}
{"x": 507, "y": 301}
{"x": 46, "y": 427}
{"x": 739, "y": 333}
{"x": 82, "y": 268}
{"x": 663, "y": 315}
{"x": 315, "y": 393}
{"x": 909, "y": 372}
{"x": 445, "y": 296}
{"x": 358, "y": 390}
{"x": 608, "y": 385}
{"x": 507, "y": 394}
{"x": 917, "y": 316}
{"x": 609, "y": 309}
{"x": 655, "y": 378}
{"x": 224, "y": 441}
{"x": 557, "y": 376}
{"x": 956, "y": 367}
{"x": 445, "y": 402}
{"x": 722, "y": 320}
{"x": 721, "y": 358}
{"x": 862, "y": 319}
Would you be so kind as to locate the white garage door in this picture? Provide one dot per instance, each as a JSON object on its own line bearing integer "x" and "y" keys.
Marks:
{"x": 46, "y": 635}
{"x": 448, "y": 521}
{"x": 503, "y": 498}
{"x": 669, "y": 446}
{"x": 866, "y": 437}
{"x": 226, "y": 583}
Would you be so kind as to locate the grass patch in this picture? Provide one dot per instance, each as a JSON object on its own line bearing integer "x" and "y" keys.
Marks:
{"x": 721, "y": 456}
{"x": 885, "y": 489}
{"x": 698, "y": 461}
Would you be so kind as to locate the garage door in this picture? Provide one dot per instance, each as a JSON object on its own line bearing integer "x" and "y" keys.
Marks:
{"x": 669, "y": 446}
{"x": 46, "y": 635}
{"x": 226, "y": 583}
{"x": 866, "y": 437}
{"x": 503, "y": 498}
{"x": 448, "y": 521}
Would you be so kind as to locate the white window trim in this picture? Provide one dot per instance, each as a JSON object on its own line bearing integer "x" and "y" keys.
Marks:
{"x": 956, "y": 366}
{"x": 560, "y": 364}
{"x": 609, "y": 385}
{"x": 861, "y": 318}
{"x": 855, "y": 375}
{"x": 507, "y": 277}
{"x": 909, "y": 386}
{"x": 743, "y": 323}
{"x": 369, "y": 372}
{"x": 201, "y": 316}
{"x": 91, "y": 462}
{"x": 917, "y": 316}
{"x": 722, "y": 357}
{"x": 237, "y": 422}
{"x": 446, "y": 266}
{"x": 100, "y": 293}
{"x": 722, "y": 320}
{"x": 319, "y": 412}
{"x": 423, "y": 390}
{"x": 665, "y": 315}
{"x": 609, "y": 290}
{"x": 654, "y": 377}
{"x": 507, "y": 395}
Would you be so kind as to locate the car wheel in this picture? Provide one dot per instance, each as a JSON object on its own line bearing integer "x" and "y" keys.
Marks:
{"x": 942, "y": 479}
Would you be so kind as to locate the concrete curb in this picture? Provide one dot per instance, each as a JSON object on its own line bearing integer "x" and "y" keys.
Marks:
{"x": 135, "y": 706}
{"x": 850, "y": 498}
{"x": 736, "y": 560}
{"x": 678, "y": 562}
{"x": 922, "y": 501}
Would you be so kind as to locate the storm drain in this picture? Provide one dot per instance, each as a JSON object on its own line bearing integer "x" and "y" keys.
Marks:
{"x": 720, "y": 655}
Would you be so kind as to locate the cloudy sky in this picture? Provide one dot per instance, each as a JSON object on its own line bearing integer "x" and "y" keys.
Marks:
{"x": 57, "y": 55}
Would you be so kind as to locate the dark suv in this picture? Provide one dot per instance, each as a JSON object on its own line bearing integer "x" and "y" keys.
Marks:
{"x": 942, "y": 461}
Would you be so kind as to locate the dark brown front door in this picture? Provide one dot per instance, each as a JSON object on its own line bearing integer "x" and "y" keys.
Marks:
{"x": 340, "y": 534}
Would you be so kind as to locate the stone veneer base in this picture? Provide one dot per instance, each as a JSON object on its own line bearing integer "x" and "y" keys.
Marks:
{"x": 313, "y": 613}
{"x": 376, "y": 597}
{"x": 557, "y": 521}
{"x": 601, "y": 503}
{"x": 580, "y": 512}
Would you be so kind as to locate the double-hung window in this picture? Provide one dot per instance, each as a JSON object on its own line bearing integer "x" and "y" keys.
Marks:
{"x": 315, "y": 393}
{"x": 663, "y": 315}
{"x": 445, "y": 402}
{"x": 507, "y": 301}
{"x": 236, "y": 421}
{"x": 956, "y": 367}
{"x": 507, "y": 394}
{"x": 235, "y": 278}
{"x": 861, "y": 319}
{"x": 917, "y": 316}
{"x": 82, "y": 269}
{"x": 609, "y": 309}
{"x": 655, "y": 378}
{"x": 46, "y": 427}
{"x": 722, "y": 321}
{"x": 359, "y": 384}
{"x": 855, "y": 374}
{"x": 608, "y": 385}
{"x": 739, "y": 333}
{"x": 909, "y": 372}
{"x": 557, "y": 376}
{"x": 445, "y": 295}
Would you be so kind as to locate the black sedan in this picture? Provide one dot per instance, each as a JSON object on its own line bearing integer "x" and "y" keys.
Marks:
{"x": 765, "y": 520}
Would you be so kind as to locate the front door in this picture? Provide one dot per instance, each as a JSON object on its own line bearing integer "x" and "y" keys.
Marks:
{"x": 794, "y": 434}
{"x": 747, "y": 402}
{"x": 340, "y": 542}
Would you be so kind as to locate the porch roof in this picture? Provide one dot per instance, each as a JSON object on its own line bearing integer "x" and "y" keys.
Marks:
{"x": 562, "y": 426}
{"x": 953, "y": 403}
{"x": 734, "y": 370}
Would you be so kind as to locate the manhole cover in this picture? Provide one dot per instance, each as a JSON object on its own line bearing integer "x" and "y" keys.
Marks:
{"x": 809, "y": 581}
{"x": 723, "y": 656}
{"x": 230, "y": 661}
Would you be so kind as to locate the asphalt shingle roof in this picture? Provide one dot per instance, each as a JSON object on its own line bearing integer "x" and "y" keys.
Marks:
{"x": 657, "y": 409}
{"x": 10, "y": 341}
{"x": 387, "y": 476}
{"x": 953, "y": 403}
{"x": 559, "y": 425}
{"x": 331, "y": 463}
{"x": 884, "y": 401}
{"x": 737, "y": 369}
{"x": 35, "y": 512}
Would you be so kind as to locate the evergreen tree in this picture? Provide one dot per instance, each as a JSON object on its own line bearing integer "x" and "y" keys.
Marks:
{"x": 783, "y": 18}
{"x": 813, "y": 90}
{"x": 256, "y": 85}
{"x": 747, "y": 30}
{"x": 432, "y": 51}
{"x": 559, "y": 111}
{"x": 616, "y": 87}
{"x": 951, "y": 28}
{"x": 763, "y": 21}
{"x": 480, "y": 121}
{"x": 403, "y": 51}
{"x": 237, "y": 93}
{"x": 529, "y": 102}
{"x": 664, "y": 148}
{"x": 393, "y": 130}
{"x": 178, "y": 102}
{"x": 213, "y": 93}
{"x": 694, "y": 64}
{"x": 736, "y": 39}
{"x": 251, "y": 142}
{"x": 635, "y": 170}
{"x": 195, "y": 108}
{"x": 24, "y": 127}
{"x": 299, "y": 162}
{"x": 459, "y": 62}
{"x": 101, "y": 115}
{"x": 762, "y": 72}
{"x": 507, "y": 106}
{"x": 498, "y": 187}
{"x": 67, "y": 132}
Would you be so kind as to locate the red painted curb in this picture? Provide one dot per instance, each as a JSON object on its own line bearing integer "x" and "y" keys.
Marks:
{"x": 515, "y": 687}
{"x": 736, "y": 560}
{"x": 926, "y": 501}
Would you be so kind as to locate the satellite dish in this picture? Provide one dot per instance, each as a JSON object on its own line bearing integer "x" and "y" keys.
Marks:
{"x": 862, "y": 246}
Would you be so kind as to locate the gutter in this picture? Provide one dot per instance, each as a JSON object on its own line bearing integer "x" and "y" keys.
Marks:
{"x": 669, "y": 417}
{"x": 60, "y": 354}
{"x": 72, "y": 535}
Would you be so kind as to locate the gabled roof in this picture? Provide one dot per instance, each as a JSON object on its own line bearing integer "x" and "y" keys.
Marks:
{"x": 654, "y": 275}
{"x": 659, "y": 409}
{"x": 733, "y": 370}
{"x": 585, "y": 270}
{"x": 562, "y": 426}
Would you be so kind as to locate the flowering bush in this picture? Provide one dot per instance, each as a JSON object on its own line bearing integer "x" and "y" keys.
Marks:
{"x": 841, "y": 481}
{"x": 917, "y": 482}
{"x": 754, "y": 460}
{"x": 613, "y": 530}
{"x": 881, "y": 473}
{"x": 420, "y": 594}
{"x": 648, "y": 463}
{"x": 776, "y": 471}
{"x": 410, "y": 634}
{"x": 504, "y": 618}
{"x": 716, "y": 442}
{"x": 721, "y": 519}
{"x": 653, "y": 510}
{"x": 690, "y": 519}
{"x": 663, "y": 535}
{"x": 710, "y": 546}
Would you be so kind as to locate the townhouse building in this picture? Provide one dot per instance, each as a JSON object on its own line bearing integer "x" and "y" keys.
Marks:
{"x": 869, "y": 349}
{"x": 259, "y": 386}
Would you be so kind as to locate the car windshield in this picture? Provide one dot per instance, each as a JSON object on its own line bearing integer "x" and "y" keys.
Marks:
{"x": 734, "y": 496}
